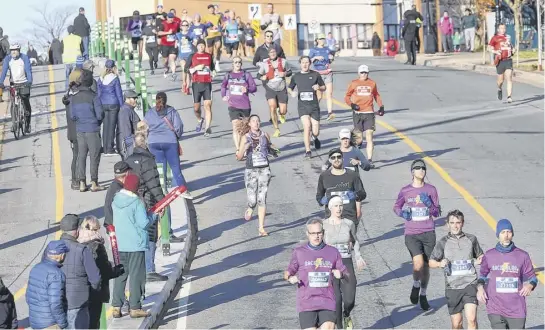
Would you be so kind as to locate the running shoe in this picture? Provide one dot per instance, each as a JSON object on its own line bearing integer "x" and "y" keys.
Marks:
{"x": 152, "y": 72}
{"x": 208, "y": 132}
{"x": 173, "y": 77}
{"x": 317, "y": 143}
{"x": 282, "y": 119}
{"x": 165, "y": 74}
{"x": 199, "y": 126}
{"x": 308, "y": 155}
{"x": 330, "y": 116}
{"x": 414, "y": 295}
{"x": 424, "y": 303}
{"x": 347, "y": 321}
{"x": 509, "y": 99}
{"x": 276, "y": 133}
{"x": 500, "y": 94}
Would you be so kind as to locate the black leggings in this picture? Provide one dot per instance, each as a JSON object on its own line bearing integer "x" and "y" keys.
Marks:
{"x": 345, "y": 291}
{"x": 153, "y": 54}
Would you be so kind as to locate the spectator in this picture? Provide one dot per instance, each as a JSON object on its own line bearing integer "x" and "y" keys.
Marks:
{"x": 376, "y": 44}
{"x": 469, "y": 24}
{"x": 71, "y": 48}
{"x": 83, "y": 29}
{"x": 46, "y": 289}
{"x": 142, "y": 163}
{"x": 87, "y": 113}
{"x": 392, "y": 47}
{"x": 447, "y": 29}
{"x": 32, "y": 55}
{"x": 131, "y": 221}
{"x": 82, "y": 274}
{"x": 121, "y": 169}
{"x": 456, "y": 40}
{"x": 127, "y": 124}
{"x": 55, "y": 50}
{"x": 75, "y": 82}
{"x": 8, "y": 312}
{"x": 111, "y": 98}
{"x": 89, "y": 236}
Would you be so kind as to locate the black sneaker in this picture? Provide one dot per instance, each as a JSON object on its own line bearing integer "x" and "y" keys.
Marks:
{"x": 424, "y": 303}
{"x": 208, "y": 132}
{"x": 308, "y": 155}
{"x": 154, "y": 277}
{"x": 500, "y": 94}
{"x": 414, "y": 295}
{"x": 317, "y": 143}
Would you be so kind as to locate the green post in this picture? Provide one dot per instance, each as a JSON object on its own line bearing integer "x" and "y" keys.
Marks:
{"x": 127, "y": 61}
{"x": 106, "y": 39}
{"x": 164, "y": 221}
{"x": 144, "y": 91}
{"x": 101, "y": 49}
{"x": 111, "y": 40}
{"x": 118, "y": 46}
{"x": 152, "y": 94}
{"x": 137, "y": 73}
{"x": 103, "y": 318}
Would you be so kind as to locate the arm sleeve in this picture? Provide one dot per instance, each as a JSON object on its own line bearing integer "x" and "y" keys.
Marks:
{"x": 252, "y": 87}
{"x": 438, "y": 253}
{"x": 56, "y": 293}
{"x": 348, "y": 95}
{"x": 99, "y": 113}
{"x": 376, "y": 95}
{"x": 224, "y": 84}
{"x": 5, "y": 67}
{"x": 355, "y": 240}
{"x": 292, "y": 84}
{"x": 118, "y": 92}
{"x": 93, "y": 274}
{"x": 293, "y": 267}
{"x": 320, "y": 190}
{"x": 365, "y": 165}
{"x": 150, "y": 175}
{"x": 361, "y": 194}
{"x": 435, "y": 209}
{"x": 399, "y": 203}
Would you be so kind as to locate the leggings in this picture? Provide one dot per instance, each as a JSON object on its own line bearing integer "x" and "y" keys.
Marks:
{"x": 153, "y": 54}
{"x": 502, "y": 322}
{"x": 345, "y": 291}
{"x": 257, "y": 183}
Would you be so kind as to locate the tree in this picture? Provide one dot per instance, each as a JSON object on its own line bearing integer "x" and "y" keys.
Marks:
{"x": 516, "y": 7}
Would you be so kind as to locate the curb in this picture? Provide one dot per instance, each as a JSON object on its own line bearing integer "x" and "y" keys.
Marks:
{"x": 182, "y": 266}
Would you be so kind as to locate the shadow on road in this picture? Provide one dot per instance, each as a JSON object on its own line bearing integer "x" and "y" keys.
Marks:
{"x": 404, "y": 314}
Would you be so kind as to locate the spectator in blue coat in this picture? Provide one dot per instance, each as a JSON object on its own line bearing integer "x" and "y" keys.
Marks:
{"x": 111, "y": 98}
{"x": 46, "y": 290}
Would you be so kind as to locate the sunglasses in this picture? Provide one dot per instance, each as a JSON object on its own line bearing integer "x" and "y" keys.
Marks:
{"x": 318, "y": 233}
{"x": 419, "y": 168}
{"x": 337, "y": 157}
{"x": 185, "y": 25}
{"x": 364, "y": 72}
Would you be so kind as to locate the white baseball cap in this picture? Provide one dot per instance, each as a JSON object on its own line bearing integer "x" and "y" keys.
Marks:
{"x": 363, "y": 68}
{"x": 345, "y": 134}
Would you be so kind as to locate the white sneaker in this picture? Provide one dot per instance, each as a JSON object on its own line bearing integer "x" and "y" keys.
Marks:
{"x": 186, "y": 195}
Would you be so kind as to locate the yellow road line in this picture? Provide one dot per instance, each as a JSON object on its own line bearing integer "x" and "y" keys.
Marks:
{"x": 448, "y": 179}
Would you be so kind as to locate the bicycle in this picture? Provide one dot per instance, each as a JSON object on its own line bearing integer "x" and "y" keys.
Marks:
{"x": 16, "y": 111}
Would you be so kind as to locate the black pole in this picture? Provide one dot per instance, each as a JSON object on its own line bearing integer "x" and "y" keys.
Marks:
{"x": 430, "y": 40}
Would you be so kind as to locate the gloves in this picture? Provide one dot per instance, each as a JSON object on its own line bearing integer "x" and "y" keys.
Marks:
{"x": 381, "y": 111}
{"x": 323, "y": 201}
{"x": 351, "y": 195}
{"x": 354, "y": 106}
{"x": 406, "y": 214}
{"x": 65, "y": 100}
{"x": 425, "y": 199}
{"x": 118, "y": 270}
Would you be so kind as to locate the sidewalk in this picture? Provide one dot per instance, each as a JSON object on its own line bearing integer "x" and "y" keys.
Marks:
{"x": 471, "y": 62}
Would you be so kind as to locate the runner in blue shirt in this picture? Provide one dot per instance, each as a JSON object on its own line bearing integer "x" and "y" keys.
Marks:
{"x": 185, "y": 48}
{"x": 198, "y": 30}
{"x": 230, "y": 27}
{"x": 321, "y": 57}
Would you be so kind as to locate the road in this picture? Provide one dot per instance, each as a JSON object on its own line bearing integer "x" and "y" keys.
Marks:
{"x": 489, "y": 164}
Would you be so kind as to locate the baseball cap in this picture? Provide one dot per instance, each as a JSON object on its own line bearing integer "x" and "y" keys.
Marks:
{"x": 69, "y": 222}
{"x": 131, "y": 94}
{"x": 109, "y": 64}
{"x": 321, "y": 36}
{"x": 363, "y": 68}
{"x": 170, "y": 15}
{"x": 345, "y": 134}
{"x": 334, "y": 151}
{"x": 56, "y": 247}
{"x": 121, "y": 167}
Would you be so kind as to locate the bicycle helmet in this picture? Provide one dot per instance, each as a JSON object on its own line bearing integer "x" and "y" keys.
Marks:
{"x": 15, "y": 47}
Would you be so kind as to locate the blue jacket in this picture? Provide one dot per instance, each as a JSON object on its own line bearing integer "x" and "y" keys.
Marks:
{"x": 86, "y": 111}
{"x": 131, "y": 222}
{"x": 109, "y": 90}
{"x": 159, "y": 130}
{"x": 26, "y": 62}
{"x": 46, "y": 295}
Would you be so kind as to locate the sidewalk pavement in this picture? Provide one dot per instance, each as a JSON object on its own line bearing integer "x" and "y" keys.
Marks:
{"x": 472, "y": 62}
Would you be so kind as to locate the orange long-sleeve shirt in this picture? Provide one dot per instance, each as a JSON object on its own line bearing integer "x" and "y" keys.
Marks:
{"x": 363, "y": 93}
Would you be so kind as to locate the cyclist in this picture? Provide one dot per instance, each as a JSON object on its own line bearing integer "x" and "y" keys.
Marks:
{"x": 20, "y": 71}
{"x": 321, "y": 58}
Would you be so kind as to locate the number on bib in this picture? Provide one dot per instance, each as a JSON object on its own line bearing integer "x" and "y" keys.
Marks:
{"x": 258, "y": 160}
{"x": 420, "y": 213}
{"x": 249, "y": 37}
{"x": 462, "y": 267}
{"x": 235, "y": 90}
{"x": 343, "y": 249}
{"x": 171, "y": 38}
{"x": 507, "y": 284}
{"x": 232, "y": 37}
{"x": 150, "y": 39}
{"x": 318, "y": 279}
{"x": 197, "y": 32}
{"x": 307, "y": 96}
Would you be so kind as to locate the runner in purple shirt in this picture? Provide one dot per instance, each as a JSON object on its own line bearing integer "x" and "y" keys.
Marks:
{"x": 312, "y": 267}
{"x": 507, "y": 277}
{"x": 418, "y": 204}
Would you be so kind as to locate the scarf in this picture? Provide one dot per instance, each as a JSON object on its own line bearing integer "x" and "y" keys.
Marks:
{"x": 505, "y": 249}
{"x": 318, "y": 247}
{"x": 86, "y": 235}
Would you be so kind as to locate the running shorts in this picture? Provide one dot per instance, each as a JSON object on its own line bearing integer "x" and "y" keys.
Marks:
{"x": 364, "y": 121}
{"x": 135, "y": 40}
{"x": 211, "y": 41}
{"x": 327, "y": 78}
{"x": 504, "y": 65}
{"x": 458, "y": 298}
{"x": 281, "y": 97}
{"x": 236, "y": 114}
{"x": 502, "y": 322}
{"x": 230, "y": 47}
{"x": 201, "y": 91}
{"x": 314, "y": 113}
{"x": 421, "y": 244}
{"x": 250, "y": 43}
{"x": 168, "y": 50}
{"x": 315, "y": 319}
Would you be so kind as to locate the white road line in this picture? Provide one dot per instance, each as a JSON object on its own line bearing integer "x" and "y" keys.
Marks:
{"x": 183, "y": 300}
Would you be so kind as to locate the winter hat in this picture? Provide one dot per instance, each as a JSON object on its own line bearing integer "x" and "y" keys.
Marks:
{"x": 69, "y": 222}
{"x": 502, "y": 225}
{"x": 55, "y": 248}
{"x": 109, "y": 64}
{"x": 79, "y": 62}
{"x": 131, "y": 183}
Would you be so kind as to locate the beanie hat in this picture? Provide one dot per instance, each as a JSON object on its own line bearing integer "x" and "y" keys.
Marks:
{"x": 502, "y": 225}
{"x": 79, "y": 62}
{"x": 131, "y": 183}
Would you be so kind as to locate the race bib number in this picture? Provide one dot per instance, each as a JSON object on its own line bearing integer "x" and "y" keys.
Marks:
{"x": 150, "y": 39}
{"x": 274, "y": 26}
{"x": 343, "y": 195}
{"x": 352, "y": 168}
{"x": 235, "y": 90}
{"x": 461, "y": 267}
{"x": 420, "y": 214}
{"x": 318, "y": 279}
{"x": 249, "y": 37}
{"x": 198, "y": 32}
{"x": 171, "y": 38}
{"x": 343, "y": 249}
{"x": 307, "y": 96}
{"x": 363, "y": 90}
{"x": 185, "y": 49}
{"x": 258, "y": 160}
{"x": 204, "y": 72}
{"x": 232, "y": 37}
{"x": 136, "y": 33}
{"x": 507, "y": 284}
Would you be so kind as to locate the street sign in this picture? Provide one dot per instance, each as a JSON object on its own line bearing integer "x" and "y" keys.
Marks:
{"x": 314, "y": 27}
{"x": 256, "y": 27}
{"x": 254, "y": 11}
{"x": 290, "y": 22}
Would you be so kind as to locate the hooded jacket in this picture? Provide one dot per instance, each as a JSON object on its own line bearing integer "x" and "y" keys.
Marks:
{"x": 131, "y": 222}
{"x": 107, "y": 273}
{"x": 109, "y": 90}
{"x": 86, "y": 110}
{"x": 445, "y": 25}
{"x": 81, "y": 26}
{"x": 8, "y": 313}
{"x": 159, "y": 130}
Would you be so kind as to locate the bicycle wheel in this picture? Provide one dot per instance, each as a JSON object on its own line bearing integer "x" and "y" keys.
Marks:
{"x": 21, "y": 117}
{"x": 15, "y": 120}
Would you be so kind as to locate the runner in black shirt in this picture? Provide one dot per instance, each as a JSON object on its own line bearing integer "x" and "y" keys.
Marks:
{"x": 308, "y": 82}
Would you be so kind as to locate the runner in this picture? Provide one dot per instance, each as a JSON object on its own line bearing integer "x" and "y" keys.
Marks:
{"x": 150, "y": 40}
{"x": 353, "y": 158}
{"x": 339, "y": 181}
{"x": 201, "y": 66}
{"x": 360, "y": 96}
{"x": 312, "y": 267}
{"x": 262, "y": 52}
{"x": 418, "y": 204}
{"x": 185, "y": 48}
{"x": 213, "y": 40}
{"x": 321, "y": 58}
{"x": 249, "y": 36}
{"x": 198, "y": 30}
{"x": 241, "y": 40}
{"x": 341, "y": 234}
{"x": 509, "y": 277}
{"x": 273, "y": 72}
{"x": 185, "y": 16}
{"x": 235, "y": 88}
{"x": 455, "y": 253}
{"x": 231, "y": 27}
{"x": 308, "y": 83}
{"x": 255, "y": 147}
{"x": 176, "y": 19}
{"x": 168, "y": 43}
{"x": 500, "y": 45}
{"x": 134, "y": 28}
{"x": 271, "y": 21}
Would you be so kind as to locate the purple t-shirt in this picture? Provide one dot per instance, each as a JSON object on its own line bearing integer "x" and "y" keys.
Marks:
{"x": 506, "y": 274}
{"x": 422, "y": 216}
{"x": 313, "y": 268}
{"x": 231, "y": 87}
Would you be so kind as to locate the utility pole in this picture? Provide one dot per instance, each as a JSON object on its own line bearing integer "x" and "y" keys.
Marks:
{"x": 430, "y": 39}
{"x": 539, "y": 36}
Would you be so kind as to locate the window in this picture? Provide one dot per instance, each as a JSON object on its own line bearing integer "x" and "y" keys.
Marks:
{"x": 391, "y": 30}
{"x": 302, "y": 36}
{"x": 344, "y": 34}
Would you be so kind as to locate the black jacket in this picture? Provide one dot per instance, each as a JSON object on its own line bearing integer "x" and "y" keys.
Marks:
{"x": 106, "y": 271}
{"x": 81, "y": 26}
{"x": 142, "y": 163}
{"x": 114, "y": 188}
{"x": 262, "y": 52}
{"x": 410, "y": 29}
{"x": 375, "y": 42}
{"x": 8, "y": 313}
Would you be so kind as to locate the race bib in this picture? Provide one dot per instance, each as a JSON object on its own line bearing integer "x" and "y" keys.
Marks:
{"x": 420, "y": 213}
{"x": 507, "y": 285}
{"x": 343, "y": 249}
{"x": 249, "y": 37}
{"x": 235, "y": 89}
{"x": 204, "y": 72}
{"x": 171, "y": 38}
{"x": 136, "y": 33}
{"x": 232, "y": 37}
{"x": 197, "y": 32}
{"x": 461, "y": 267}
{"x": 352, "y": 168}
{"x": 307, "y": 96}
{"x": 150, "y": 39}
{"x": 318, "y": 279}
{"x": 258, "y": 160}
{"x": 274, "y": 26}
{"x": 185, "y": 49}
{"x": 343, "y": 195}
{"x": 363, "y": 90}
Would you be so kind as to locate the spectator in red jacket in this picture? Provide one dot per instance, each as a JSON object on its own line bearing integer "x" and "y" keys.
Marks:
{"x": 392, "y": 47}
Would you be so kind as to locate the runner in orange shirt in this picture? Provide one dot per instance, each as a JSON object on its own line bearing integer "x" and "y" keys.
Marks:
{"x": 360, "y": 96}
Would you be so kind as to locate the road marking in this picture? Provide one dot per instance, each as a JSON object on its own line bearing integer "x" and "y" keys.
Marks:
{"x": 183, "y": 300}
{"x": 444, "y": 174}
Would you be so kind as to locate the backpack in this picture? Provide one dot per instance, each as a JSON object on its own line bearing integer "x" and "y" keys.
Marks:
{"x": 245, "y": 76}
{"x": 393, "y": 47}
